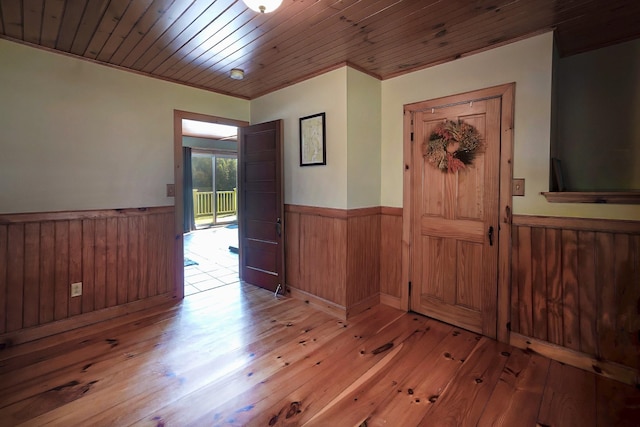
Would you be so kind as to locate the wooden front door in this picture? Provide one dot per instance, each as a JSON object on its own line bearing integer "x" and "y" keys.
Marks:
{"x": 454, "y": 220}
{"x": 261, "y": 205}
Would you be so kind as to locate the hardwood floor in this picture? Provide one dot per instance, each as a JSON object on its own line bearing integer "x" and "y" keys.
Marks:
{"x": 235, "y": 355}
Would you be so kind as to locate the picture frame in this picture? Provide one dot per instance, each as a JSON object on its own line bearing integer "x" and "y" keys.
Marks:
{"x": 313, "y": 140}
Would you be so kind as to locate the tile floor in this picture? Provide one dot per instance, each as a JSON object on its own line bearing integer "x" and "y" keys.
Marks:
{"x": 217, "y": 265}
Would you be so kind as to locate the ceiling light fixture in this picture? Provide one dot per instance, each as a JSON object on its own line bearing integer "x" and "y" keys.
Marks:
{"x": 236, "y": 74}
{"x": 263, "y": 6}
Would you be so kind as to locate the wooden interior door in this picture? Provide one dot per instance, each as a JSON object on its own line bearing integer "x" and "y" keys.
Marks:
{"x": 454, "y": 260}
{"x": 261, "y": 208}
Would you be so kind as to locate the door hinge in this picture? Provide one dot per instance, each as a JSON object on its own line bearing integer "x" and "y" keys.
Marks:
{"x": 411, "y": 136}
{"x": 409, "y": 289}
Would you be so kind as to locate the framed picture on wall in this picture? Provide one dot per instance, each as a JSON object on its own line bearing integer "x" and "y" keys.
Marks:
{"x": 313, "y": 143}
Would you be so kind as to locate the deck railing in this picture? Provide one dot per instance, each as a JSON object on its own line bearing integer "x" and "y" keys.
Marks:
{"x": 202, "y": 203}
{"x": 226, "y": 203}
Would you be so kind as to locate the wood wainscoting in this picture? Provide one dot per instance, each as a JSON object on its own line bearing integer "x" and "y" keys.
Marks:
{"x": 391, "y": 257}
{"x": 123, "y": 257}
{"x": 332, "y": 257}
{"x": 575, "y": 292}
{"x": 343, "y": 261}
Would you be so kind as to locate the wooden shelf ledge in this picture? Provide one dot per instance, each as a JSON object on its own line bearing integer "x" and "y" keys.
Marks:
{"x": 608, "y": 197}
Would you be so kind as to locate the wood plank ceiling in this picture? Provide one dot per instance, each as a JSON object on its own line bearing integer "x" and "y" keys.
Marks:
{"x": 197, "y": 42}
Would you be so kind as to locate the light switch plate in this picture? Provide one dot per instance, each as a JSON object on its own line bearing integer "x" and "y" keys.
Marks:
{"x": 517, "y": 187}
{"x": 171, "y": 190}
{"x": 76, "y": 289}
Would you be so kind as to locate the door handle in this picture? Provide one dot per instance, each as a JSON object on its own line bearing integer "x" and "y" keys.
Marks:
{"x": 490, "y": 234}
{"x": 279, "y": 227}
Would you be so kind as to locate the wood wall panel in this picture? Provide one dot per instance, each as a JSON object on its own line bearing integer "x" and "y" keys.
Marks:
{"x": 31, "y": 274}
{"x": 391, "y": 253}
{"x": 88, "y": 264}
{"x": 363, "y": 258}
{"x": 15, "y": 262}
{"x": 627, "y": 300}
{"x": 553, "y": 258}
{"x": 143, "y": 286}
{"x": 588, "y": 281}
{"x": 152, "y": 273}
{"x": 100, "y": 260}
{"x": 120, "y": 256}
{"x": 570, "y": 298}
{"x": 514, "y": 317}
{"x": 123, "y": 260}
{"x": 3, "y": 277}
{"x": 134, "y": 273}
{"x": 334, "y": 255}
{"x": 323, "y": 257}
{"x": 539, "y": 283}
{"x": 168, "y": 255}
{"x": 111, "y": 277}
{"x": 61, "y": 281}
{"x": 525, "y": 303}
{"x": 75, "y": 263}
{"x": 292, "y": 247}
{"x": 587, "y": 291}
{"x": 47, "y": 268}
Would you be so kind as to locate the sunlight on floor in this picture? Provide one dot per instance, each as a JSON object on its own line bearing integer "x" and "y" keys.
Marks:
{"x": 215, "y": 264}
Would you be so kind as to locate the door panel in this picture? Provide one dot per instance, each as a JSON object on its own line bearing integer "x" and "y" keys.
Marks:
{"x": 434, "y": 266}
{"x": 261, "y": 230}
{"x": 260, "y": 171}
{"x": 453, "y": 264}
{"x": 261, "y": 205}
{"x": 469, "y": 257}
{"x": 259, "y": 258}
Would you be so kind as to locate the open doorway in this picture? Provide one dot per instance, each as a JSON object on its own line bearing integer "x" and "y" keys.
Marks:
{"x": 211, "y": 245}
{"x": 206, "y": 201}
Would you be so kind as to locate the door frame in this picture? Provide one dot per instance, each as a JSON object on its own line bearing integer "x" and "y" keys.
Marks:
{"x": 507, "y": 94}
{"x": 178, "y": 247}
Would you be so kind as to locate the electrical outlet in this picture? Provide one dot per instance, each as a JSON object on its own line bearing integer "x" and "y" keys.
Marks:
{"x": 76, "y": 289}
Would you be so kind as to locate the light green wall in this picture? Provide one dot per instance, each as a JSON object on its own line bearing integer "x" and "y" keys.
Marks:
{"x": 76, "y": 135}
{"x": 363, "y": 136}
{"x": 323, "y": 186}
{"x": 528, "y": 63}
{"x": 351, "y": 101}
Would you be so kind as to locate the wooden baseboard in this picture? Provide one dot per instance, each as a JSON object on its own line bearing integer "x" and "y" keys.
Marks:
{"x": 580, "y": 360}
{"x": 9, "y": 341}
{"x": 321, "y": 304}
{"x": 391, "y": 301}
{"x": 363, "y": 305}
